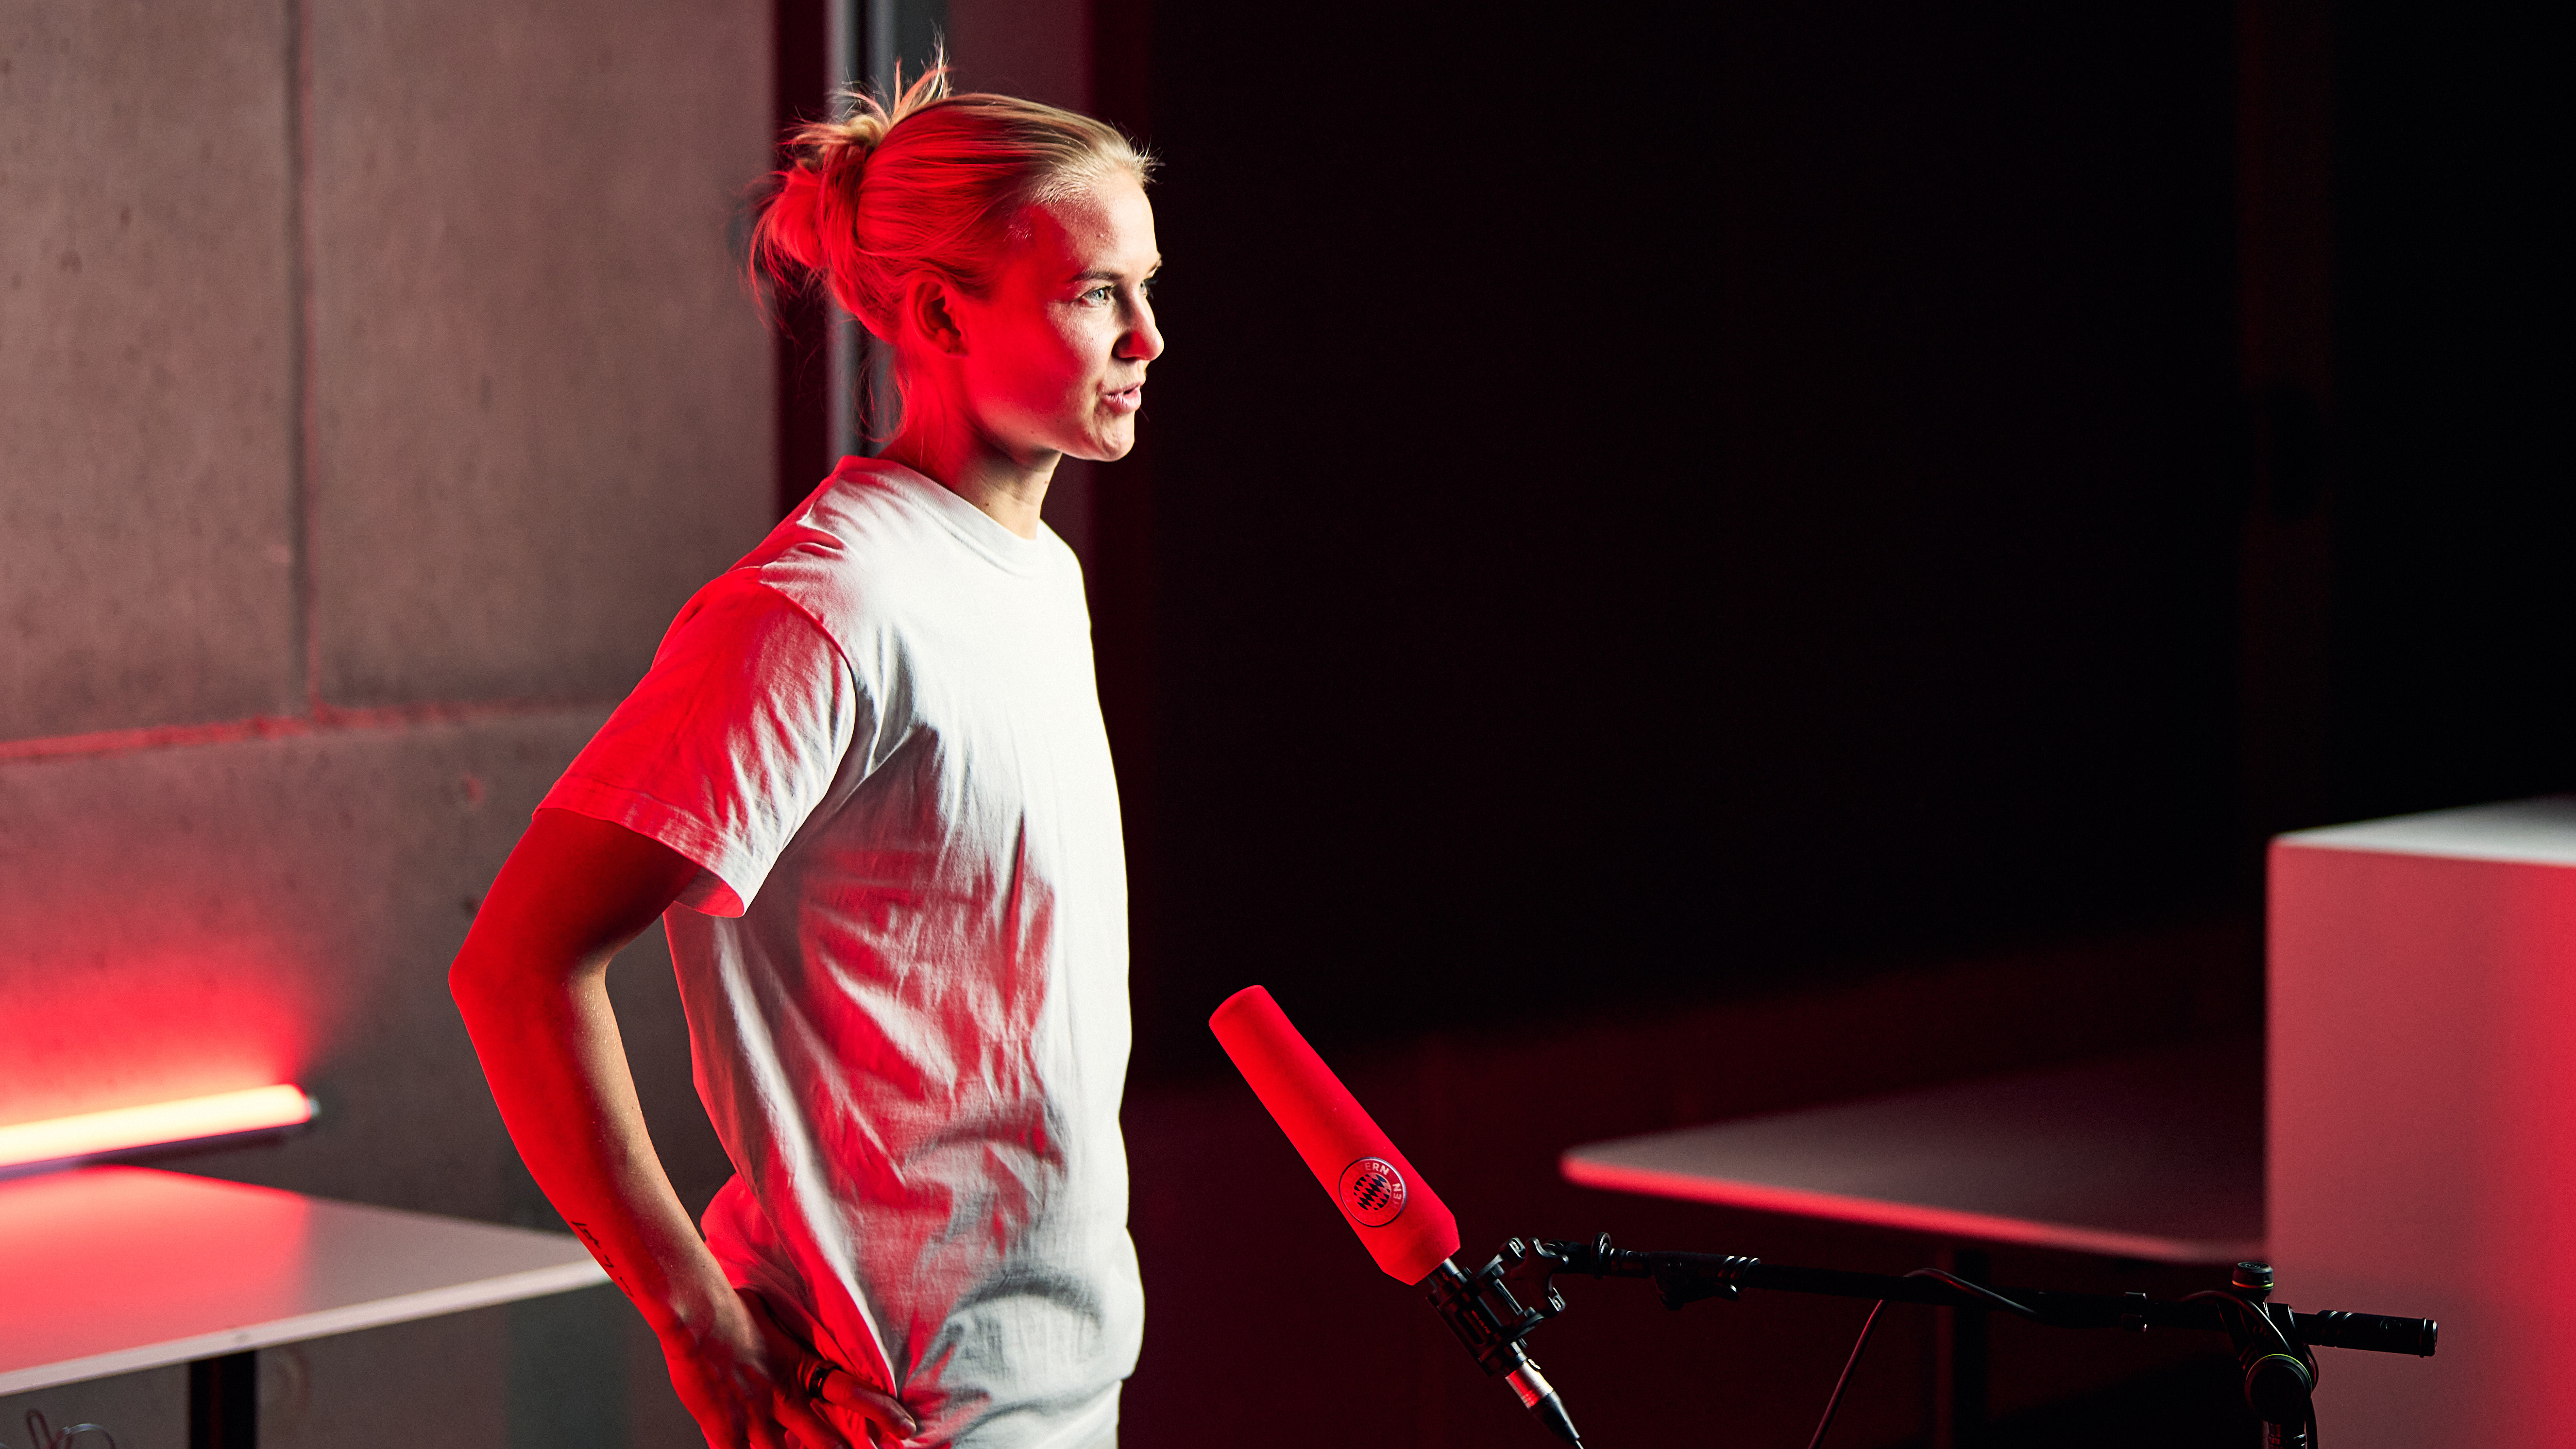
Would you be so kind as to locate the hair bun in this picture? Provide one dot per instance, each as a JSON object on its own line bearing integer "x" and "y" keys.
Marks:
{"x": 791, "y": 220}
{"x": 825, "y": 147}
{"x": 825, "y": 161}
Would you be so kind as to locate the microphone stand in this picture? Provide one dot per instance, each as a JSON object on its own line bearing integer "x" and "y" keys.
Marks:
{"x": 1495, "y": 1308}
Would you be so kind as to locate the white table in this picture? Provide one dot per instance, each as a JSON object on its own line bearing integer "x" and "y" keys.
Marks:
{"x": 136, "y": 1268}
{"x": 2156, "y": 1156}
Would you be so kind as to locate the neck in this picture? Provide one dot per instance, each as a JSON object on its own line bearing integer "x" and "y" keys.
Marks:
{"x": 1009, "y": 488}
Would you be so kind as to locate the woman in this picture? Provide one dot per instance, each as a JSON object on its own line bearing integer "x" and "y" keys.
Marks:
{"x": 869, "y": 762}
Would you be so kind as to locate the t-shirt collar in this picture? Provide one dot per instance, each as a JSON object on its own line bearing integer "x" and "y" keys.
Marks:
{"x": 979, "y": 530}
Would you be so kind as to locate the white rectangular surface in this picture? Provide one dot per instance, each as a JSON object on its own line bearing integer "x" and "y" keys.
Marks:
{"x": 113, "y": 1269}
{"x": 2156, "y": 1156}
{"x": 2423, "y": 1113}
{"x": 2533, "y": 832}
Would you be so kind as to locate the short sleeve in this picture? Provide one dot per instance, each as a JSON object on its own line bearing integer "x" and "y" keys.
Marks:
{"x": 732, "y": 739}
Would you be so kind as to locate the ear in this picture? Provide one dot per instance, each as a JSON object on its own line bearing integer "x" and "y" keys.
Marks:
{"x": 930, "y": 311}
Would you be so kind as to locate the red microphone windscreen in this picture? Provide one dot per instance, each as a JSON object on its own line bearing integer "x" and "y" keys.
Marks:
{"x": 1405, "y": 1225}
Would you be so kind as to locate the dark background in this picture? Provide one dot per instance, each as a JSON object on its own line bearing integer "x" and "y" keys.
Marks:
{"x": 2455, "y": 522}
{"x": 1726, "y": 561}
{"x": 1652, "y": 517}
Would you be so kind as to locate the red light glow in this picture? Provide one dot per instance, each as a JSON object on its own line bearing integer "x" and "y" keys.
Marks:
{"x": 94, "y": 1133}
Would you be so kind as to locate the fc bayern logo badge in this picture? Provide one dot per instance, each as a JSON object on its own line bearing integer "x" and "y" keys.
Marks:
{"x": 1372, "y": 1192}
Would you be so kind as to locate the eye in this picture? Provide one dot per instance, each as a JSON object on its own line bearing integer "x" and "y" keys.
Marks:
{"x": 1101, "y": 294}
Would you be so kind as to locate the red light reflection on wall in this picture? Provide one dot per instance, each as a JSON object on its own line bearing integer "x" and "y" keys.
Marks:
{"x": 102, "y": 1034}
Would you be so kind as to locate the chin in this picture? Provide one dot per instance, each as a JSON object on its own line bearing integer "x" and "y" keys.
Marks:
{"x": 1107, "y": 446}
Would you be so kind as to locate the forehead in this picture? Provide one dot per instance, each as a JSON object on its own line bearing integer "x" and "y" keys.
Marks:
{"x": 1108, "y": 225}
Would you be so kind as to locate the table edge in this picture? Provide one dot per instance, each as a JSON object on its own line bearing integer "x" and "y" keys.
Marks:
{"x": 402, "y": 1308}
{"x": 1910, "y": 1217}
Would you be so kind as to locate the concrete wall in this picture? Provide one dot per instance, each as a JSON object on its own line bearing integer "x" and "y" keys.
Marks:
{"x": 147, "y": 366}
{"x": 374, "y": 385}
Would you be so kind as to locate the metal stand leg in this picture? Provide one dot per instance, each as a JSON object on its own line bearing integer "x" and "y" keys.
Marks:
{"x": 223, "y": 1402}
{"x": 1959, "y": 1361}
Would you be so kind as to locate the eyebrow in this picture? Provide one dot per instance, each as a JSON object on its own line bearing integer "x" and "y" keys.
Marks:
{"x": 1099, "y": 275}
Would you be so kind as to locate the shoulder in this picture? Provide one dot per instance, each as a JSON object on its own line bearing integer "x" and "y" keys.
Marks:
{"x": 866, "y": 512}
{"x": 739, "y": 625}
{"x": 865, "y": 543}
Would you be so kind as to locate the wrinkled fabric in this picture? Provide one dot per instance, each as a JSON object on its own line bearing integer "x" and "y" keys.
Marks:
{"x": 904, "y": 958}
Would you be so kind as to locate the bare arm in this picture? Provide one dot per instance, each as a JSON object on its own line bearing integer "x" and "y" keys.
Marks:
{"x": 532, "y": 982}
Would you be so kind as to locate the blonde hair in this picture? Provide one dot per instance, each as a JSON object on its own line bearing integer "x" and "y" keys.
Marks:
{"x": 937, "y": 183}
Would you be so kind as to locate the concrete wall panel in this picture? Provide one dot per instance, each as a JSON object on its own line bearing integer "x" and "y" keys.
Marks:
{"x": 146, "y": 365}
{"x": 284, "y": 910}
{"x": 543, "y": 410}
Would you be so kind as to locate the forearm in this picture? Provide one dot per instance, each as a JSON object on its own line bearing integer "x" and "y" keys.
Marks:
{"x": 532, "y": 983}
{"x": 550, "y": 1048}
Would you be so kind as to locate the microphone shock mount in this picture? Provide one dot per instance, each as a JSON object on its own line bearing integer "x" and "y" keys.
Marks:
{"x": 1491, "y": 1319}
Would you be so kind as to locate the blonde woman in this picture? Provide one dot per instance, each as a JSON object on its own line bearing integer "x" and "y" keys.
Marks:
{"x": 866, "y": 787}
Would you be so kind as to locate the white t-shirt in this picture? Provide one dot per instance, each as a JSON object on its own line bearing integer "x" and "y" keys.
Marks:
{"x": 905, "y": 962}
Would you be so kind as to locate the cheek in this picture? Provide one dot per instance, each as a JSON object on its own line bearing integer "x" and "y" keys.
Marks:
{"x": 1039, "y": 362}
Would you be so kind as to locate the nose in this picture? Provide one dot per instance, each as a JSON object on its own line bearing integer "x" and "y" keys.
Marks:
{"x": 1143, "y": 341}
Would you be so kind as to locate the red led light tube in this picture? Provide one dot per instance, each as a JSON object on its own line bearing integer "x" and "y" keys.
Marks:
{"x": 95, "y": 1134}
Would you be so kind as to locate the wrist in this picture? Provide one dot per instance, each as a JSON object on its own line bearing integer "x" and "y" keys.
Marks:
{"x": 692, "y": 1304}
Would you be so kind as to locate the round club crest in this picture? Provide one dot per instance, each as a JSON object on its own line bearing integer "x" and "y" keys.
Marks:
{"x": 1372, "y": 1192}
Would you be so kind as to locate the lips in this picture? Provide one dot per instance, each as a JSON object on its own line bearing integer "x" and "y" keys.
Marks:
{"x": 1126, "y": 400}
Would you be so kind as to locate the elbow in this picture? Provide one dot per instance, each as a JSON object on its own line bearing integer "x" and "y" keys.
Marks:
{"x": 475, "y": 974}
{"x": 500, "y": 970}
{"x": 465, "y": 980}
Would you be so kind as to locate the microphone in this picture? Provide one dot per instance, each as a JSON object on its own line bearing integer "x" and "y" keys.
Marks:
{"x": 1403, "y": 1223}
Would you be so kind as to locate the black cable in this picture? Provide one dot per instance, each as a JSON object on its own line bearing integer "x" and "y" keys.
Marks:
{"x": 1834, "y": 1399}
{"x": 46, "y": 1437}
{"x": 1978, "y": 1289}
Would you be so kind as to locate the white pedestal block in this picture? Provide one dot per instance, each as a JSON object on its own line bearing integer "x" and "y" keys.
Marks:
{"x": 2422, "y": 1153}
